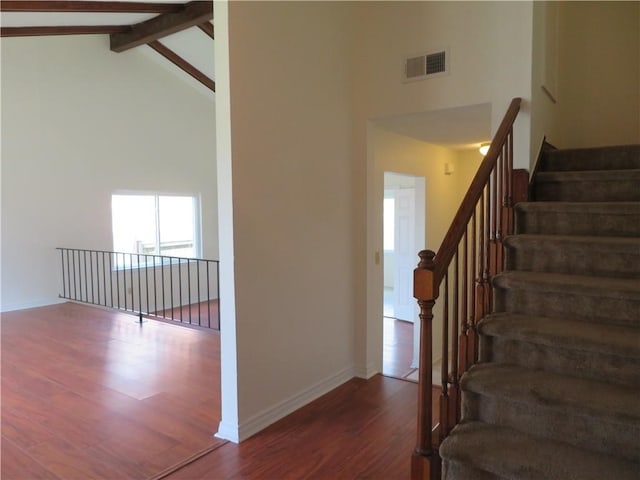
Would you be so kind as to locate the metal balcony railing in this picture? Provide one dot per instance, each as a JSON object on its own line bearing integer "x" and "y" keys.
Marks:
{"x": 180, "y": 289}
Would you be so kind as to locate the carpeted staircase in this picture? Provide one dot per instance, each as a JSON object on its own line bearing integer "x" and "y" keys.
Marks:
{"x": 556, "y": 395}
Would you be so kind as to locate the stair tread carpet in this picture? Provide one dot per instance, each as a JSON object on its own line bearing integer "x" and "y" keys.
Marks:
{"x": 510, "y": 454}
{"x": 556, "y": 392}
{"x": 567, "y": 334}
{"x": 574, "y": 254}
{"x": 589, "y": 176}
{"x": 594, "y": 243}
{"x": 622, "y": 288}
{"x": 579, "y": 218}
{"x": 614, "y": 403}
{"x": 588, "y": 186}
{"x": 597, "y": 158}
{"x": 603, "y": 208}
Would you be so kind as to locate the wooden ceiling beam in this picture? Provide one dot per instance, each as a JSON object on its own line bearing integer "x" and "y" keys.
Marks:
{"x": 193, "y": 13}
{"x": 180, "y": 62}
{"x": 63, "y": 30}
{"x": 88, "y": 6}
{"x": 207, "y": 27}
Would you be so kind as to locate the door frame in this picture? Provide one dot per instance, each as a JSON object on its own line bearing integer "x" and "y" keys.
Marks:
{"x": 397, "y": 181}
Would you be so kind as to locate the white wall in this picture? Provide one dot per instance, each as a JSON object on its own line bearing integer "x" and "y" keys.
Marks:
{"x": 599, "y": 62}
{"x": 590, "y": 53}
{"x": 490, "y": 62}
{"x": 292, "y": 207}
{"x": 78, "y": 123}
{"x": 305, "y": 80}
{"x": 489, "y": 47}
{"x": 544, "y": 77}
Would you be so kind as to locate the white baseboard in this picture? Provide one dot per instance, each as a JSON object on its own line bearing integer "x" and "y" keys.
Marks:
{"x": 366, "y": 372}
{"x": 272, "y": 414}
{"x": 227, "y": 432}
{"x": 35, "y": 304}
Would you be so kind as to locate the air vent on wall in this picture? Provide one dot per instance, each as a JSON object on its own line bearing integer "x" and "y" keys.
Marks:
{"x": 425, "y": 65}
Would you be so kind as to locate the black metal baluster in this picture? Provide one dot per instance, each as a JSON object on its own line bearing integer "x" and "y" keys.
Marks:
{"x": 73, "y": 264}
{"x": 98, "y": 287}
{"x": 139, "y": 287}
{"x": 117, "y": 272}
{"x": 79, "y": 277}
{"x": 208, "y": 298}
{"x": 68, "y": 273}
{"x": 124, "y": 281}
{"x": 198, "y": 276}
{"x": 171, "y": 284}
{"x": 189, "y": 288}
{"x": 131, "y": 277}
{"x": 104, "y": 280}
{"x": 180, "y": 289}
{"x": 64, "y": 289}
{"x": 80, "y": 296}
{"x": 155, "y": 285}
{"x": 146, "y": 280}
{"x": 164, "y": 305}
{"x": 218, "y": 292}
{"x": 91, "y": 271}
{"x": 86, "y": 283}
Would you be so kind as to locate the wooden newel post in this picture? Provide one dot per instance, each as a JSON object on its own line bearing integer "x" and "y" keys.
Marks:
{"x": 425, "y": 463}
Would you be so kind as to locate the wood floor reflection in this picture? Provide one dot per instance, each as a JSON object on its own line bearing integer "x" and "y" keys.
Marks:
{"x": 397, "y": 349}
{"x": 364, "y": 429}
{"x": 90, "y": 393}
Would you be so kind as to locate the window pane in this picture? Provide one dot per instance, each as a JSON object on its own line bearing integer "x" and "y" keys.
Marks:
{"x": 177, "y": 228}
{"x": 134, "y": 223}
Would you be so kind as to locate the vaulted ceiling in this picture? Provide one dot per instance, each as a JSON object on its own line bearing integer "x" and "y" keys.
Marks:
{"x": 181, "y": 32}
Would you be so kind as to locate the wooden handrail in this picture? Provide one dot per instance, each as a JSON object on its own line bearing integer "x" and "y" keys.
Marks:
{"x": 456, "y": 230}
{"x": 471, "y": 252}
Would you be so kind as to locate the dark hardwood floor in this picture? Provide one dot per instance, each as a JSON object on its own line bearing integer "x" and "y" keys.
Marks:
{"x": 204, "y": 314}
{"x": 89, "y": 393}
{"x": 397, "y": 348}
{"x": 362, "y": 429}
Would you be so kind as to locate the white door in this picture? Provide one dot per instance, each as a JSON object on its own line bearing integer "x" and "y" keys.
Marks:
{"x": 404, "y": 255}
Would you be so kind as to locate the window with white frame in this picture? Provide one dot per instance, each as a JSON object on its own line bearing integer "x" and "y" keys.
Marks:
{"x": 155, "y": 224}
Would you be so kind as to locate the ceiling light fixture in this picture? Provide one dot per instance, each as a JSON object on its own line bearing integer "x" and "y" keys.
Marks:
{"x": 484, "y": 148}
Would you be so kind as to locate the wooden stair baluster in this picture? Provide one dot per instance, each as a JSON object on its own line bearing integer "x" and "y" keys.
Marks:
{"x": 425, "y": 462}
{"x": 485, "y": 215}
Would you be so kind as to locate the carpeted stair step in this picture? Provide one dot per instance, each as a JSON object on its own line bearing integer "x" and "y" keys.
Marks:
{"x": 581, "y": 255}
{"x": 578, "y": 349}
{"x": 489, "y": 452}
{"x": 617, "y": 219}
{"x": 556, "y": 395}
{"x": 462, "y": 471}
{"x": 595, "y": 299}
{"x": 597, "y": 416}
{"x": 588, "y": 186}
{"x": 600, "y": 158}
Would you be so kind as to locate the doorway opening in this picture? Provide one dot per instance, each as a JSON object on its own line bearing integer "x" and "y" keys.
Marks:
{"x": 403, "y": 237}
